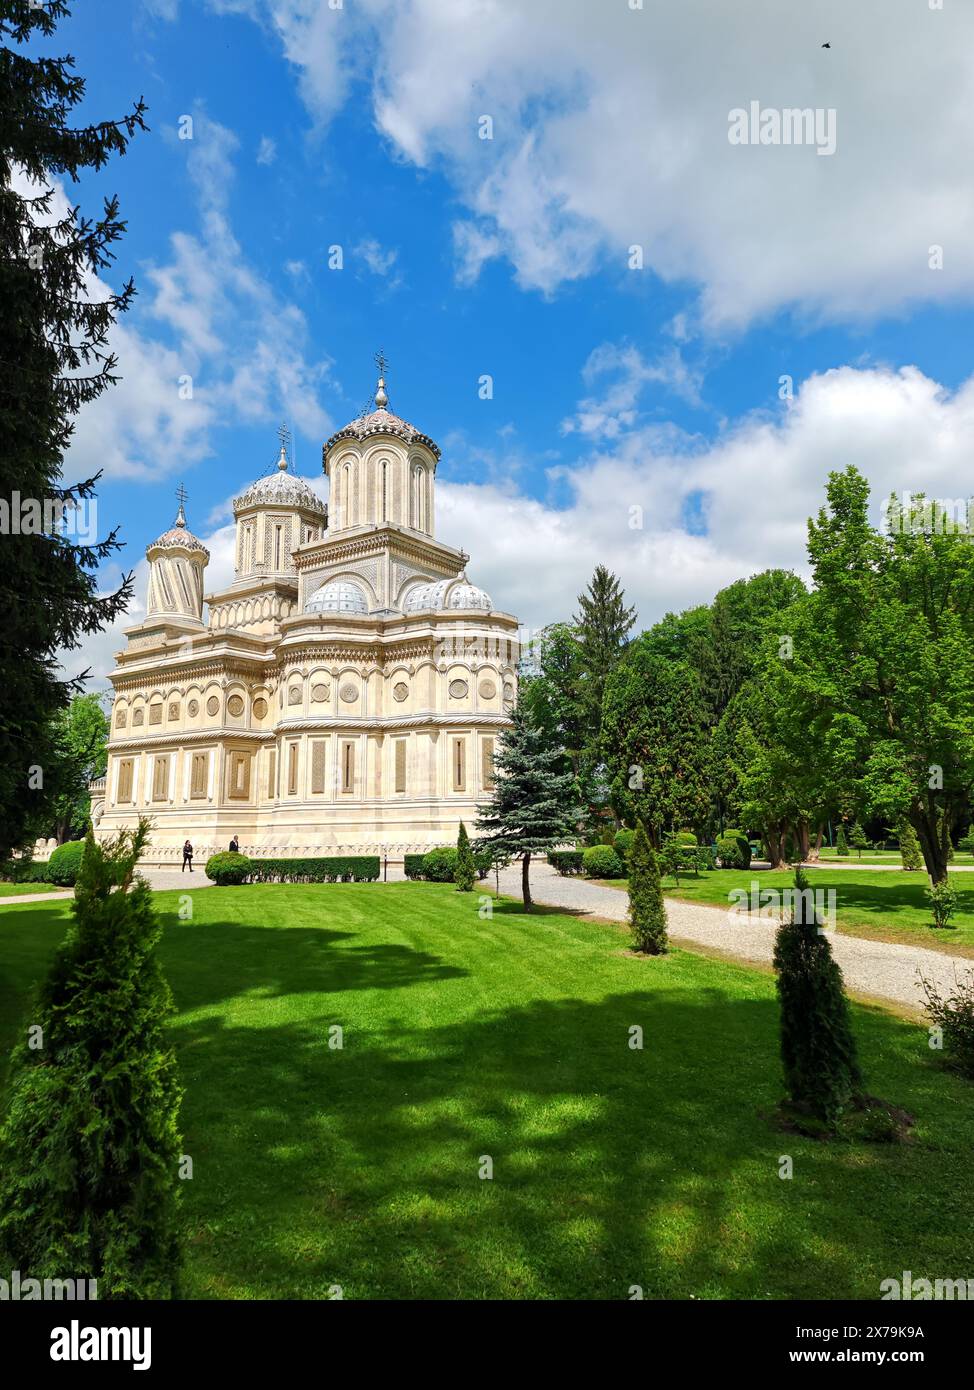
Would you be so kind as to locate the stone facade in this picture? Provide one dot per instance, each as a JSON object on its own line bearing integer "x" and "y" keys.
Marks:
{"x": 346, "y": 690}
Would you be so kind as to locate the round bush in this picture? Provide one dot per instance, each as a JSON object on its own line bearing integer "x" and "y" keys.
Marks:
{"x": 622, "y": 844}
{"x": 733, "y": 852}
{"x": 439, "y": 865}
{"x": 601, "y": 861}
{"x": 227, "y": 869}
{"x": 64, "y": 864}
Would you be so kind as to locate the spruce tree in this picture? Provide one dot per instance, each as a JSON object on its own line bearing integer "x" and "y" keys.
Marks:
{"x": 857, "y": 838}
{"x": 602, "y": 627}
{"x": 647, "y": 911}
{"x": 466, "y": 871}
{"x": 841, "y": 843}
{"x": 818, "y": 1051}
{"x": 533, "y": 806}
{"x": 911, "y": 856}
{"x": 55, "y": 322}
{"x": 89, "y": 1144}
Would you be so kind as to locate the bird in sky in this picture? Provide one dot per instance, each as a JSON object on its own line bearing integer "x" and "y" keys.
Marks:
{"x": 826, "y": 45}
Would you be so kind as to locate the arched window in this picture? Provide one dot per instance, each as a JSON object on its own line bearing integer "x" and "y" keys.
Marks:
{"x": 419, "y": 498}
{"x": 347, "y": 495}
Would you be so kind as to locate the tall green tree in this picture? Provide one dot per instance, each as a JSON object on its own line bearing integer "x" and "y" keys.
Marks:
{"x": 881, "y": 682}
{"x": 465, "y": 871}
{"x": 89, "y": 1144}
{"x": 80, "y": 753}
{"x": 603, "y": 624}
{"x": 653, "y": 741}
{"x": 534, "y": 804}
{"x": 55, "y": 322}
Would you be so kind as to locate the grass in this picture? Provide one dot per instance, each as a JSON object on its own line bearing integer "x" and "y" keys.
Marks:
{"x": 11, "y": 890}
{"x": 886, "y": 907}
{"x": 509, "y": 1037}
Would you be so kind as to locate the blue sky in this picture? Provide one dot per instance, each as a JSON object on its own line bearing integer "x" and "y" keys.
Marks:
{"x": 613, "y": 388}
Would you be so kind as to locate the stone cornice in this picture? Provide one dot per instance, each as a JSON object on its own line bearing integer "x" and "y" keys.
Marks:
{"x": 425, "y": 719}
{"x": 359, "y": 545}
{"x": 221, "y": 734}
{"x": 165, "y": 672}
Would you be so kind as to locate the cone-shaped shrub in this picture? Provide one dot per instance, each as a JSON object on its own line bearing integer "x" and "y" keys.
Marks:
{"x": 466, "y": 870}
{"x": 647, "y": 911}
{"x": 89, "y": 1146}
{"x": 841, "y": 842}
{"x": 818, "y": 1051}
{"x": 911, "y": 855}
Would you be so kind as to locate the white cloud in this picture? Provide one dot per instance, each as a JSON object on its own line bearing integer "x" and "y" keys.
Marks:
{"x": 757, "y": 484}
{"x": 378, "y": 260}
{"x": 610, "y": 130}
{"x": 266, "y": 150}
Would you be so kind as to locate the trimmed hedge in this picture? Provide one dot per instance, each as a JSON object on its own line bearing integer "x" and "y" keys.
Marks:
{"x": 24, "y": 871}
{"x": 64, "y": 864}
{"x": 566, "y": 861}
{"x": 227, "y": 869}
{"x": 439, "y": 864}
{"x": 344, "y": 868}
{"x": 601, "y": 861}
{"x": 413, "y": 865}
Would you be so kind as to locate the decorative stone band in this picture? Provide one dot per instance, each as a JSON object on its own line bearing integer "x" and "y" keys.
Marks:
{"x": 367, "y": 724}
{"x": 126, "y": 745}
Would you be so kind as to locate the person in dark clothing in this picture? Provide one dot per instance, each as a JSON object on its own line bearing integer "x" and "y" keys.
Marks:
{"x": 187, "y": 856}
{"x": 234, "y": 846}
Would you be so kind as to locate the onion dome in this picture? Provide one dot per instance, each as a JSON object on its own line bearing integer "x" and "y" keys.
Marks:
{"x": 381, "y": 420}
{"x": 280, "y": 489}
{"x": 338, "y": 596}
{"x": 178, "y": 537}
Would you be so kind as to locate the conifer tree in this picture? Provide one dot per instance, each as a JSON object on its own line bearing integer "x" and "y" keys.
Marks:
{"x": 647, "y": 911}
{"x": 533, "y": 806}
{"x": 841, "y": 843}
{"x": 466, "y": 871}
{"x": 89, "y": 1145}
{"x": 857, "y": 838}
{"x": 55, "y": 321}
{"x": 602, "y": 626}
{"x": 818, "y": 1051}
{"x": 911, "y": 856}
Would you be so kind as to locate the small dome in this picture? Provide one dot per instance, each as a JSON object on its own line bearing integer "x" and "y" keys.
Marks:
{"x": 426, "y": 596}
{"x": 280, "y": 489}
{"x": 463, "y": 594}
{"x": 338, "y": 596}
{"x": 178, "y": 537}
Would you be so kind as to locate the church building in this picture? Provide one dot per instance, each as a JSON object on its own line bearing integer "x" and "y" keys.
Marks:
{"x": 342, "y": 696}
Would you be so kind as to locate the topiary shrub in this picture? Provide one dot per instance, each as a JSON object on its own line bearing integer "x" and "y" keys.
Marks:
{"x": 439, "y": 865}
{"x": 335, "y": 868}
{"x": 684, "y": 837}
{"x": 24, "y": 871}
{"x": 622, "y": 844}
{"x": 64, "y": 864}
{"x": 733, "y": 851}
{"x": 227, "y": 869}
{"x": 566, "y": 861}
{"x": 89, "y": 1145}
{"x": 464, "y": 870}
{"x": 601, "y": 861}
{"x": 911, "y": 856}
{"x": 412, "y": 866}
{"x": 818, "y": 1050}
{"x": 647, "y": 911}
{"x": 841, "y": 843}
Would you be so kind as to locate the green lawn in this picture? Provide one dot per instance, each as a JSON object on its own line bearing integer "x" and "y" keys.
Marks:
{"x": 11, "y": 890}
{"x": 509, "y": 1037}
{"x": 890, "y": 907}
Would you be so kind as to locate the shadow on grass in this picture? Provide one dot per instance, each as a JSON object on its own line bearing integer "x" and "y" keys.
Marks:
{"x": 611, "y": 1166}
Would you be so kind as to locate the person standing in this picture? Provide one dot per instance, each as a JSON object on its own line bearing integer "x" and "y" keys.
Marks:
{"x": 234, "y": 846}
{"x": 187, "y": 856}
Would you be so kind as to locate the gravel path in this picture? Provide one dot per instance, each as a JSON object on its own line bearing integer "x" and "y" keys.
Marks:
{"x": 54, "y": 896}
{"x": 876, "y": 969}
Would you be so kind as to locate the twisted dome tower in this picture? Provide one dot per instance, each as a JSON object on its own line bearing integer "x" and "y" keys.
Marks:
{"x": 177, "y": 560}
